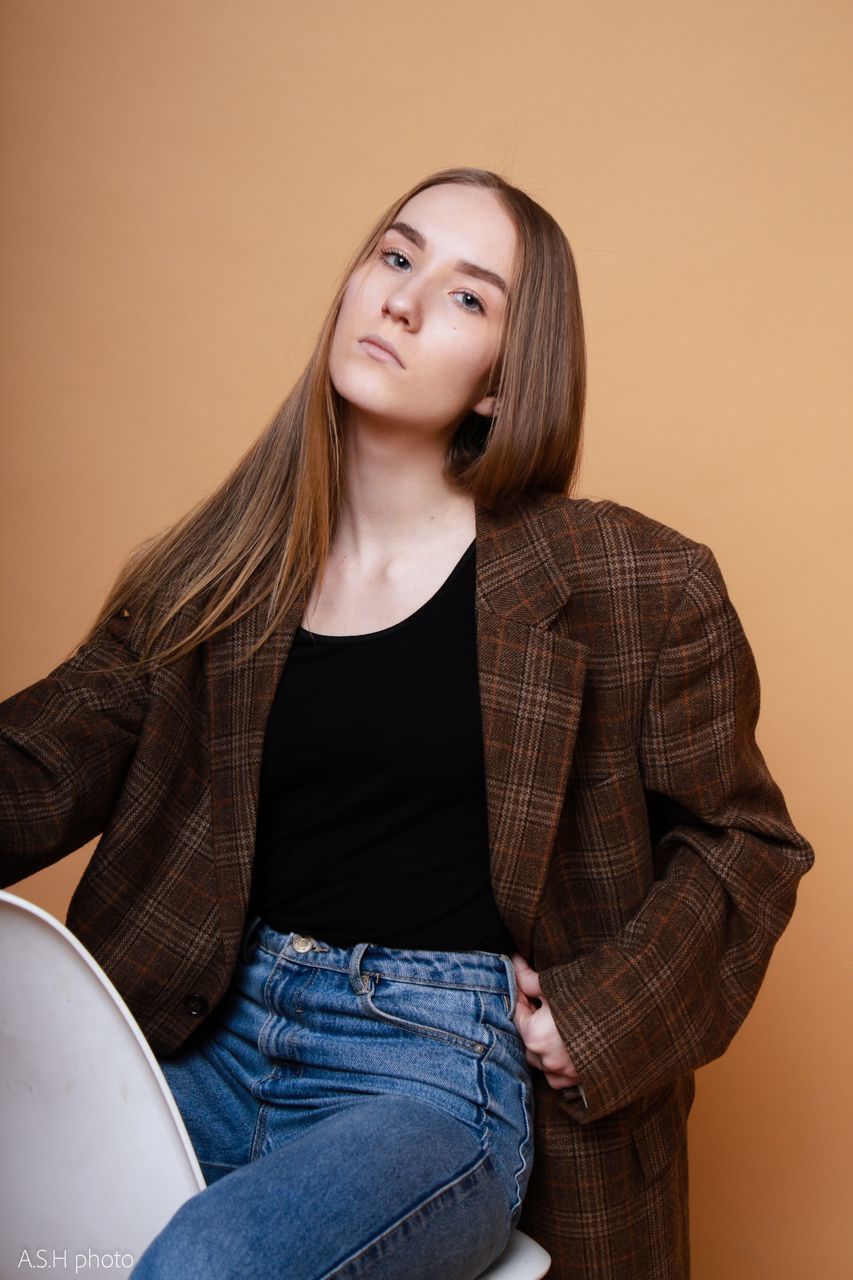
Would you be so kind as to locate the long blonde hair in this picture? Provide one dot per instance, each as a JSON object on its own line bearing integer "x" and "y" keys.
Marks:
{"x": 265, "y": 532}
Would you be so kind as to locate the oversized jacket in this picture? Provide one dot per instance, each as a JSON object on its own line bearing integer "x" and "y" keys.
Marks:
{"x": 642, "y": 856}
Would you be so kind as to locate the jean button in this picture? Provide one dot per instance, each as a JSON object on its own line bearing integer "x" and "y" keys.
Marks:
{"x": 301, "y": 943}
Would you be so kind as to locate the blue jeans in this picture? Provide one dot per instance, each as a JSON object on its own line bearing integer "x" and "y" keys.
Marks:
{"x": 359, "y": 1111}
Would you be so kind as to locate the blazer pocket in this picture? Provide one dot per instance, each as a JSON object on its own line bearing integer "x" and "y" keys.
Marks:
{"x": 586, "y": 775}
{"x": 658, "y": 1135}
{"x": 592, "y": 781}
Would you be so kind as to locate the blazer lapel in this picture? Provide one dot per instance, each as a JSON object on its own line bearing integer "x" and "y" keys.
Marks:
{"x": 531, "y": 686}
{"x": 239, "y": 702}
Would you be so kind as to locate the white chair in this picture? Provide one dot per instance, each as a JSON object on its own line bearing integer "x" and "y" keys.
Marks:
{"x": 95, "y": 1155}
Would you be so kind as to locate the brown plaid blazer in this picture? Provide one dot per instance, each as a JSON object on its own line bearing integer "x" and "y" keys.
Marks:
{"x": 642, "y": 855}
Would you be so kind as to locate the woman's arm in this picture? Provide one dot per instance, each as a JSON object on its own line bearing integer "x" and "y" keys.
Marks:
{"x": 668, "y": 993}
{"x": 65, "y": 745}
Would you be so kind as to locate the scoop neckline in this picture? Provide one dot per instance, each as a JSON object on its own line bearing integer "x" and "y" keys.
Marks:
{"x": 397, "y": 626}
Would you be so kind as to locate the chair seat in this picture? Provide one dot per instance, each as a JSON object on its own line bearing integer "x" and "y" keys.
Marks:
{"x": 96, "y": 1157}
{"x": 522, "y": 1259}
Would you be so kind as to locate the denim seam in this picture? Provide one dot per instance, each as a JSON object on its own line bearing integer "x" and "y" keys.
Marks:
{"x": 487, "y": 1100}
{"x": 417, "y": 1209}
{"x": 524, "y": 1162}
{"x": 266, "y": 1023}
{"x": 260, "y": 1132}
{"x": 273, "y": 1017}
{"x": 514, "y": 1205}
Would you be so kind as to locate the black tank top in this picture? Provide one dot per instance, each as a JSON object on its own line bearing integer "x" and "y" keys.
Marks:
{"x": 372, "y": 820}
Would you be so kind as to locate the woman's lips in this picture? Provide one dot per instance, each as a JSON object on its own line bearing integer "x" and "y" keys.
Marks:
{"x": 379, "y": 353}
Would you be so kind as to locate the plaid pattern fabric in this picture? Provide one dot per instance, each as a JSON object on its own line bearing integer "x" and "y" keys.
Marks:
{"x": 642, "y": 856}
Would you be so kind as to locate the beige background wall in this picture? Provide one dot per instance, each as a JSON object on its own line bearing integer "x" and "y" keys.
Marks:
{"x": 183, "y": 181}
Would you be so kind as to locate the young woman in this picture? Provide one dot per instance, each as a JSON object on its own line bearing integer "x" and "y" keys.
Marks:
{"x": 435, "y": 832}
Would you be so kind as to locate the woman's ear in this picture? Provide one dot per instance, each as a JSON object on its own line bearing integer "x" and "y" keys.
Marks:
{"x": 487, "y": 406}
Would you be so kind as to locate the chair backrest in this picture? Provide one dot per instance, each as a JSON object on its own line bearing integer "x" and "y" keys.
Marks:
{"x": 95, "y": 1156}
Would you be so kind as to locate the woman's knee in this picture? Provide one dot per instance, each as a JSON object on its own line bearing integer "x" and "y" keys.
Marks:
{"x": 386, "y": 1182}
{"x": 185, "y": 1247}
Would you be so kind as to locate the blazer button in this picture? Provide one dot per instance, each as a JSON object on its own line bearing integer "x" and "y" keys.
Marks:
{"x": 123, "y": 613}
{"x": 196, "y": 1004}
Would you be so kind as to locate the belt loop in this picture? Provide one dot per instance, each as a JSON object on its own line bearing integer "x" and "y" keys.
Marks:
{"x": 357, "y": 982}
{"x": 511, "y": 982}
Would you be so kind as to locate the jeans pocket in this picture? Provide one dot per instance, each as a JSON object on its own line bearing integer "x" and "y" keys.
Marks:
{"x": 450, "y": 1015}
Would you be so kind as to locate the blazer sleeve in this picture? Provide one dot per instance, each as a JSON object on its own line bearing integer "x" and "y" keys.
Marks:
{"x": 65, "y": 746}
{"x": 667, "y": 993}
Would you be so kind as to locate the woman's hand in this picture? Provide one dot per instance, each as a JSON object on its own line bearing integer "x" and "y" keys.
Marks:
{"x": 545, "y": 1047}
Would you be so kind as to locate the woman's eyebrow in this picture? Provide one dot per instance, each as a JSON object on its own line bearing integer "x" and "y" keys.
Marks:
{"x": 470, "y": 268}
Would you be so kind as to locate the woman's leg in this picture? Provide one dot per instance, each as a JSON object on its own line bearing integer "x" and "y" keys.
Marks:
{"x": 389, "y": 1187}
{"x": 371, "y": 1109}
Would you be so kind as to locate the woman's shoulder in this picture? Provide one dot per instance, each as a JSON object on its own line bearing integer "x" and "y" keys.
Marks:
{"x": 608, "y": 523}
{"x": 610, "y": 551}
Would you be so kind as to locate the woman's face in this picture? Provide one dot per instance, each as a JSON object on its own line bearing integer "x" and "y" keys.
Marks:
{"x": 421, "y": 292}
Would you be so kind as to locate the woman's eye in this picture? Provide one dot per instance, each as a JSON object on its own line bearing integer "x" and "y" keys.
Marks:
{"x": 478, "y": 304}
{"x": 466, "y": 293}
{"x": 393, "y": 253}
